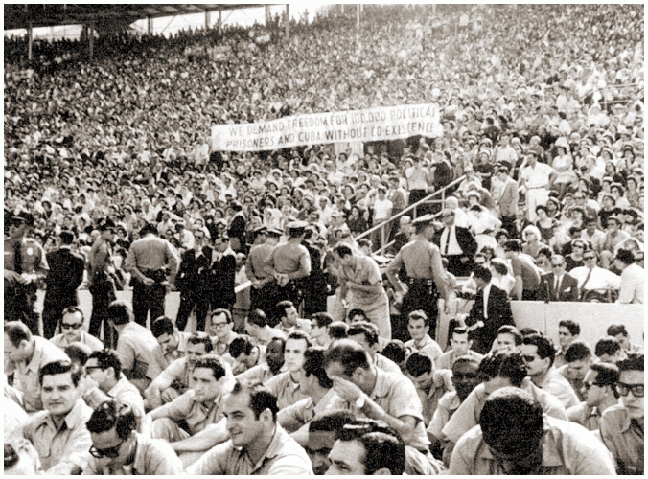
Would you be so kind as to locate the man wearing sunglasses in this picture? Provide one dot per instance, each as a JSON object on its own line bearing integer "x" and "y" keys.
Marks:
{"x": 592, "y": 277}
{"x": 622, "y": 425}
{"x": 599, "y": 391}
{"x": 117, "y": 449}
{"x": 72, "y": 331}
{"x": 558, "y": 285}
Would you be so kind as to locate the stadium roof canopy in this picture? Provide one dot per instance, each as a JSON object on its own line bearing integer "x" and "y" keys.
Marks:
{"x": 19, "y": 16}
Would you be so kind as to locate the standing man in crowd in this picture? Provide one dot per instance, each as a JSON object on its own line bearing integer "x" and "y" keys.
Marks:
{"x": 360, "y": 275}
{"x": 255, "y": 268}
{"x": 150, "y": 261}
{"x": 457, "y": 244}
{"x": 25, "y": 265}
{"x": 537, "y": 178}
{"x": 527, "y": 278}
{"x": 64, "y": 277}
{"x": 422, "y": 262}
{"x": 507, "y": 202}
{"x": 100, "y": 282}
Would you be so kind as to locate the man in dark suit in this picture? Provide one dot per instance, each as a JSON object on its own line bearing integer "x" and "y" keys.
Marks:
{"x": 457, "y": 244}
{"x": 490, "y": 312}
{"x": 63, "y": 279}
{"x": 558, "y": 285}
{"x": 236, "y": 230}
{"x": 191, "y": 282}
{"x": 222, "y": 277}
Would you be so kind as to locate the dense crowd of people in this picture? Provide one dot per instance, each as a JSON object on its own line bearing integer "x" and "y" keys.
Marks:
{"x": 112, "y": 183}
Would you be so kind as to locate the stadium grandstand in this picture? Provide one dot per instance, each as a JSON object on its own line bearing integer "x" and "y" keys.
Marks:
{"x": 381, "y": 213}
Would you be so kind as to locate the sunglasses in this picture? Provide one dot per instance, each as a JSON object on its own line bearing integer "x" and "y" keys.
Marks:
{"x": 556, "y": 265}
{"x": 528, "y": 359}
{"x": 637, "y": 389}
{"x": 587, "y": 258}
{"x": 109, "y": 452}
{"x": 71, "y": 326}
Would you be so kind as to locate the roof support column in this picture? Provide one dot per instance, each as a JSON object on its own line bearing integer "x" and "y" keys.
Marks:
{"x": 91, "y": 40}
{"x": 150, "y": 25}
{"x": 30, "y": 53}
{"x": 287, "y": 21}
{"x": 207, "y": 19}
{"x": 220, "y": 21}
{"x": 268, "y": 15}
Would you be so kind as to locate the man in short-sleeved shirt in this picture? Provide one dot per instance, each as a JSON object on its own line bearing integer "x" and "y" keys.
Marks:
{"x": 71, "y": 324}
{"x": 526, "y": 274}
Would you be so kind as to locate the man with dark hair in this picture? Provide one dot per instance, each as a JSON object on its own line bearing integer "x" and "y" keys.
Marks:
{"x": 320, "y": 323}
{"x": 538, "y": 353}
{"x": 515, "y": 437}
{"x": 102, "y": 380}
{"x": 172, "y": 344}
{"x": 256, "y": 272}
{"x": 221, "y": 324}
{"x": 58, "y": 433}
{"x": 289, "y": 319}
{"x": 578, "y": 359}
{"x": 72, "y": 331}
{"x": 25, "y": 264}
{"x": 420, "y": 370}
{"x": 497, "y": 371}
{"x": 632, "y": 278}
{"x": 491, "y": 311}
{"x": 285, "y": 386}
{"x": 457, "y": 244}
{"x": 418, "y": 329}
{"x": 508, "y": 339}
{"x": 135, "y": 346}
{"x": 150, "y": 261}
{"x": 257, "y": 444}
{"x": 558, "y": 285}
{"x": 568, "y": 332}
{"x": 527, "y": 277}
{"x": 378, "y": 395}
{"x": 620, "y": 333}
{"x": 118, "y": 450}
{"x": 609, "y": 350}
{"x": 316, "y": 385}
{"x": 622, "y": 425}
{"x": 100, "y": 281}
{"x": 24, "y": 355}
{"x": 460, "y": 344}
{"x": 360, "y": 275}
{"x": 63, "y": 278}
{"x": 599, "y": 391}
{"x": 177, "y": 421}
{"x": 367, "y": 448}
{"x": 367, "y": 335}
{"x": 422, "y": 262}
{"x": 178, "y": 376}
{"x": 275, "y": 358}
{"x": 256, "y": 325}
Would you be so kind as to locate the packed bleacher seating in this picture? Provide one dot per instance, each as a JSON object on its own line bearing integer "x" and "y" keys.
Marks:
{"x": 534, "y": 192}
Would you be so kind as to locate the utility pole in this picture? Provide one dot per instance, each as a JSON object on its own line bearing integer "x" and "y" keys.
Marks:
{"x": 358, "y": 17}
{"x": 287, "y": 21}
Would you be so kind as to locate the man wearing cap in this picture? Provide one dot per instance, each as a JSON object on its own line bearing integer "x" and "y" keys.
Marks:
{"x": 457, "y": 244}
{"x": 25, "y": 264}
{"x": 507, "y": 201}
{"x": 287, "y": 264}
{"x": 100, "y": 282}
{"x": 537, "y": 178}
{"x": 422, "y": 262}
{"x": 255, "y": 268}
{"x": 150, "y": 260}
{"x": 63, "y": 279}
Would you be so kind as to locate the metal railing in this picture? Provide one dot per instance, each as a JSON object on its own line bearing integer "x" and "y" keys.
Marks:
{"x": 387, "y": 224}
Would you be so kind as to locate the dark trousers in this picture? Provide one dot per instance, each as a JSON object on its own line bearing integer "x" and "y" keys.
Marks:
{"x": 148, "y": 298}
{"x": 19, "y": 305}
{"x": 528, "y": 295}
{"x": 53, "y": 307}
{"x": 103, "y": 293}
{"x": 422, "y": 296}
{"x": 415, "y": 196}
{"x": 508, "y": 223}
{"x": 272, "y": 294}
{"x": 189, "y": 302}
{"x": 457, "y": 268}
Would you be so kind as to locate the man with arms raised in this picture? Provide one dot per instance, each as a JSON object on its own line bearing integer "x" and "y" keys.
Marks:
{"x": 257, "y": 445}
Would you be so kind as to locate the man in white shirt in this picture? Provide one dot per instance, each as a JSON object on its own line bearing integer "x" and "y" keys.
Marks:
{"x": 631, "y": 289}
{"x": 537, "y": 178}
{"x": 382, "y": 211}
{"x": 592, "y": 277}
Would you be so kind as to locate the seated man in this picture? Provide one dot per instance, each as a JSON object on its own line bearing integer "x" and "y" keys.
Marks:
{"x": 71, "y": 331}
{"x": 104, "y": 380}
{"x": 58, "y": 433}
{"x": 367, "y": 448}
{"x": 366, "y": 335}
{"x": 257, "y": 445}
{"x": 178, "y": 377}
{"x": 508, "y": 339}
{"x": 608, "y": 350}
{"x": 275, "y": 359}
{"x": 285, "y": 386}
{"x": 221, "y": 323}
{"x": 464, "y": 380}
{"x": 320, "y": 323}
{"x": 599, "y": 390}
{"x": 289, "y": 319}
{"x": 568, "y": 332}
{"x": 515, "y": 437}
{"x": 622, "y": 425}
{"x": 620, "y": 333}
{"x": 558, "y": 285}
{"x": 244, "y": 354}
{"x": 21, "y": 458}
{"x": 418, "y": 328}
{"x": 460, "y": 345}
{"x": 378, "y": 395}
{"x": 118, "y": 450}
{"x": 579, "y": 359}
{"x": 25, "y": 354}
{"x": 538, "y": 353}
{"x": 256, "y": 325}
{"x": 172, "y": 343}
{"x": 430, "y": 387}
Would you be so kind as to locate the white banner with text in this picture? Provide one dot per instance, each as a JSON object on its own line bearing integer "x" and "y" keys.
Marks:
{"x": 375, "y": 124}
